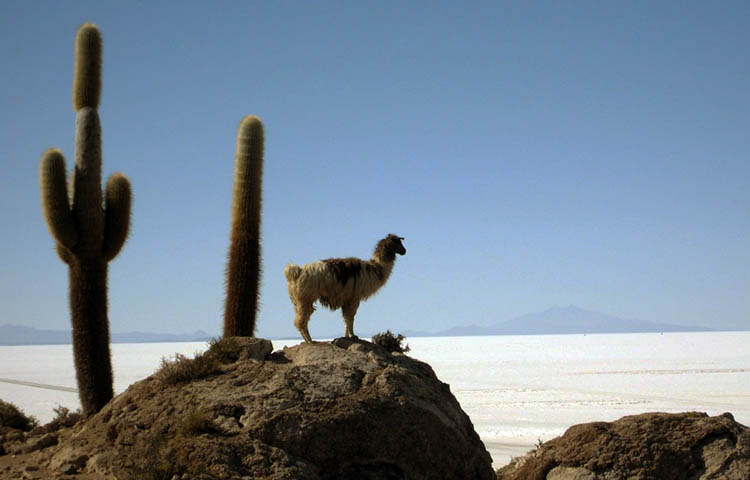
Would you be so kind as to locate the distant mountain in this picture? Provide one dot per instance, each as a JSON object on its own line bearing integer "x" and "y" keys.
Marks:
{"x": 18, "y": 335}
{"x": 554, "y": 321}
{"x": 557, "y": 321}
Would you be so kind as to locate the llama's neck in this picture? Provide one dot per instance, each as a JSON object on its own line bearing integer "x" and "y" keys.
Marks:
{"x": 386, "y": 266}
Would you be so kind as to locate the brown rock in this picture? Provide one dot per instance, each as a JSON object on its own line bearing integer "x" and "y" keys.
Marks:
{"x": 254, "y": 348}
{"x": 570, "y": 473}
{"x": 67, "y": 455}
{"x": 39, "y": 443}
{"x": 14, "y": 435}
{"x": 313, "y": 411}
{"x": 68, "y": 469}
{"x": 648, "y": 446}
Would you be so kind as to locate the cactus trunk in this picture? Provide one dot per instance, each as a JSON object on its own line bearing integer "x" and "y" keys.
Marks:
{"x": 244, "y": 267}
{"x": 88, "y": 309}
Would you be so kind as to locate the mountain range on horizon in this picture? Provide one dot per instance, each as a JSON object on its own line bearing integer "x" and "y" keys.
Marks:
{"x": 553, "y": 321}
{"x": 561, "y": 321}
{"x": 20, "y": 335}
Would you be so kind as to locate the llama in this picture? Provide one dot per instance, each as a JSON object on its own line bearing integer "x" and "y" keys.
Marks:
{"x": 340, "y": 283}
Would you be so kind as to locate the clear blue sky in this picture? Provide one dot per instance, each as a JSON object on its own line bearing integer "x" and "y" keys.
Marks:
{"x": 532, "y": 154}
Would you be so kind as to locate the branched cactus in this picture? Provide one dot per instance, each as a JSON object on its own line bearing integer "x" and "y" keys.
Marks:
{"x": 89, "y": 231}
{"x": 243, "y": 268}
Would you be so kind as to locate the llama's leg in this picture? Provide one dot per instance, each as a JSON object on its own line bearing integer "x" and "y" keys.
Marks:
{"x": 348, "y": 310}
{"x": 302, "y": 312}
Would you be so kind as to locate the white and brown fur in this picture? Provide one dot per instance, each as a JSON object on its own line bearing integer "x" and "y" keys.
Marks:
{"x": 340, "y": 283}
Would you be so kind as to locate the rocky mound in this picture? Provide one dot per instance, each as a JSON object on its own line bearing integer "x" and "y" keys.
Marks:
{"x": 648, "y": 446}
{"x": 324, "y": 411}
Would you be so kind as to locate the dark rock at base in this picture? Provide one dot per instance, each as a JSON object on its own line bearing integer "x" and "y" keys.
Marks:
{"x": 660, "y": 446}
{"x": 312, "y": 411}
{"x": 253, "y": 348}
{"x": 68, "y": 469}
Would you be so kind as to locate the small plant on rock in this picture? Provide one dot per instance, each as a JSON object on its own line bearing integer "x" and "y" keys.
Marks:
{"x": 152, "y": 460}
{"x": 225, "y": 350}
{"x": 185, "y": 369}
{"x": 64, "y": 418}
{"x": 195, "y": 423}
{"x": 390, "y": 342}
{"x": 11, "y": 416}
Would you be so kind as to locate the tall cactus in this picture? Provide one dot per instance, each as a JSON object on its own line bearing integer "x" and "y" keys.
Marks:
{"x": 243, "y": 267}
{"x": 88, "y": 234}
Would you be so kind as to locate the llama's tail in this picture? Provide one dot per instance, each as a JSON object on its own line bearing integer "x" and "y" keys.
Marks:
{"x": 292, "y": 272}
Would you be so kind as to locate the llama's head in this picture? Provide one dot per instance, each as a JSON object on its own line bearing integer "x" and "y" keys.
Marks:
{"x": 388, "y": 247}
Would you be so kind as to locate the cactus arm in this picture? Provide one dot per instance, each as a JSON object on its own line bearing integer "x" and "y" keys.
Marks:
{"x": 117, "y": 200}
{"x": 87, "y": 79}
{"x": 55, "y": 203}
{"x": 63, "y": 253}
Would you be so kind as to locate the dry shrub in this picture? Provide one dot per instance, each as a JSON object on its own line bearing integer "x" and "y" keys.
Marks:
{"x": 390, "y": 342}
{"x": 195, "y": 423}
{"x": 11, "y": 416}
{"x": 64, "y": 418}
{"x": 185, "y": 369}
{"x": 225, "y": 350}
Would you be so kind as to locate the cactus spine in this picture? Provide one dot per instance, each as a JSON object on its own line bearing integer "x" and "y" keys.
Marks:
{"x": 243, "y": 266}
{"x": 87, "y": 233}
